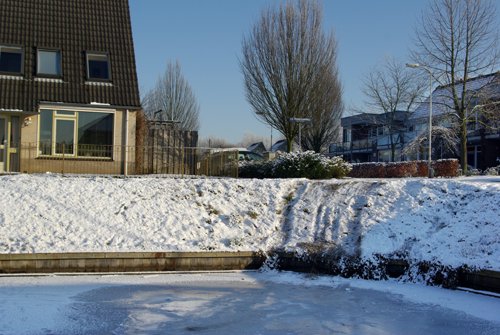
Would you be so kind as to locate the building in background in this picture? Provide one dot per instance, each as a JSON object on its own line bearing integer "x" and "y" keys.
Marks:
{"x": 367, "y": 137}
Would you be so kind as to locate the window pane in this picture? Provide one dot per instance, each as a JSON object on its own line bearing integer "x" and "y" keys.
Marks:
{"x": 2, "y": 132}
{"x": 65, "y": 136}
{"x": 49, "y": 62}
{"x": 10, "y": 60}
{"x": 65, "y": 113}
{"x": 98, "y": 66}
{"x": 95, "y": 134}
{"x": 45, "y": 132}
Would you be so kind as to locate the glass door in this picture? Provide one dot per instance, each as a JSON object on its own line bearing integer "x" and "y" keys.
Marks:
{"x": 3, "y": 143}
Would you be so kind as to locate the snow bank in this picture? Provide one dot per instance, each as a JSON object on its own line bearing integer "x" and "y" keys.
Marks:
{"x": 451, "y": 221}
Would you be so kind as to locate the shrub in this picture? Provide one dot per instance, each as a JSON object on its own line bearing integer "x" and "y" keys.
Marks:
{"x": 368, "y": 170}
{"x": 442, "y": 168}
{"x": 255, "y": 169}
{"x": 401, "y": 169}
{"x": 446, "y": 168}
{"x": 492, "y": 171}
{"x": 309, "y": 165}
{"x": 296, "y": 165}
{"x": 422, "y": 169}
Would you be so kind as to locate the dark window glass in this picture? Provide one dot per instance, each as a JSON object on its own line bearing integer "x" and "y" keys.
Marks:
{"x": 11, "y": 60}
{"x": 65, "y": 133}
{"x": 98, "y": 66}
{"x": 95, "y": 134}
{"x": 49, "y": 62}
{"x": 45, "y": 132}
{"x": 65, "y": 113}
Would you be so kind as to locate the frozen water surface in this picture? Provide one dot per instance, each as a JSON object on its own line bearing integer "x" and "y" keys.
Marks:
{"x": 234, "y": 303}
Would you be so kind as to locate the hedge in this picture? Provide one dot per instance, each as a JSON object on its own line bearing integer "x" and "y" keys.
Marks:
{"x": 442, "y": 168}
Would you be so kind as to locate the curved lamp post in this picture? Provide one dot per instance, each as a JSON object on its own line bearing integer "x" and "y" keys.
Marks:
{"x": 429, "y": 162}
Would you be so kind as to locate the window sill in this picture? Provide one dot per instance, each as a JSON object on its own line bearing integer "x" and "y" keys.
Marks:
{"x": 98, "y": 83}
{"x": 49, "y": 80}
{"x": 11, "y": 76}
{"x": 73, "y": 158}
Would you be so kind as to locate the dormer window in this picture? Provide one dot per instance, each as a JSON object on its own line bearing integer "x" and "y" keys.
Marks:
{"x": 98, "y": 66}
{"x": 11, "y": 60}
{"x": 49, "y": 63}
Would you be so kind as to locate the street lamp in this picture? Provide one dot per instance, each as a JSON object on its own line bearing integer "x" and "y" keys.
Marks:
{"x": 300, "y": 121}
{"x": 415, "y": 66}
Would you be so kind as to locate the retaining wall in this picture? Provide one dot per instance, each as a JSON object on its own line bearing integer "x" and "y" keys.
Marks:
{"x": 201, "y": 261}
{"x": 129, "y": 262}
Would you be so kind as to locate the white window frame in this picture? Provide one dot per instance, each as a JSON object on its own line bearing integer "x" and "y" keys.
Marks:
{"x": 98, "y": 54}
{"x": 59, "y": 116}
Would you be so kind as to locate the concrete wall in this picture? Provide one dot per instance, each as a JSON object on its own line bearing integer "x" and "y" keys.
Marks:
{"x": 129, "y": 262}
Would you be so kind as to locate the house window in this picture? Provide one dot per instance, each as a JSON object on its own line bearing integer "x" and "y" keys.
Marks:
{"x": 64, "y": 137}
{"x": 49, "y": 63}
{"x": 78, "y": 134}
{"x": 11, "y": 60}
{"x": 98, "y": 66}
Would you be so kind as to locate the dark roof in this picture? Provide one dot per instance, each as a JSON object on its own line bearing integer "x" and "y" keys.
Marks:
{"x": 73, "y": 27}
{"x": 280, "y": 145}
{"x": 258, "y": 147}
{"x": 374, "y": 118}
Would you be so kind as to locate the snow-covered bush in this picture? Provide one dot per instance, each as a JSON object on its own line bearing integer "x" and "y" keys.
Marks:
{"x": 492, "y": 171}
{"x": 255, "y": 169}
{"x": 309, "y": 165}
{"x": 297, "y": 165}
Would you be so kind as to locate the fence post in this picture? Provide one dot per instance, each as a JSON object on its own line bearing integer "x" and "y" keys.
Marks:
{"x": 64, "y": 152}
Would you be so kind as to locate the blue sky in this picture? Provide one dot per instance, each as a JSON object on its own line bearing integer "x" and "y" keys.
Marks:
{"x": 205, "y": 36}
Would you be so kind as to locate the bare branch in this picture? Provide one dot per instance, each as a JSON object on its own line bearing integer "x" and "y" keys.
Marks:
{"x": 174, "y": 97}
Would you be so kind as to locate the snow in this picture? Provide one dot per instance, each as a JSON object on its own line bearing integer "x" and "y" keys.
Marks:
{"x": 237, "y": 302}
{"x": 451, "y": 221}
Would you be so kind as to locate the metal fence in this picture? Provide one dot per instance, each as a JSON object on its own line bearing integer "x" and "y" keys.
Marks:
{"x": 126, "y": 160}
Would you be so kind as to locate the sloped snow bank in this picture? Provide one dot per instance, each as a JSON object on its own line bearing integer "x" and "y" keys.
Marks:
{"x": 447, "y": 221}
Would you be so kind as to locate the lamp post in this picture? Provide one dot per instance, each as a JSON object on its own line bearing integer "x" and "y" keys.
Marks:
{"x": 300, "y": 121}
{"x": 429, "y": 163}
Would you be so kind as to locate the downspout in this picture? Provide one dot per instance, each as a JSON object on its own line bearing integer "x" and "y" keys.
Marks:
{"x": 125, "y": 148}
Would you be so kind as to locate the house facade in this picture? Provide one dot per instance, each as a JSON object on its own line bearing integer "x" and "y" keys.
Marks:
{"x": 376, "y": 137}
{"x": 68, "y": 86}
{"x": 370, "y": 137}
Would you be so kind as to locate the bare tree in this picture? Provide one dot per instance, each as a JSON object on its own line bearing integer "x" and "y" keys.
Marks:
{"x": 172, "y": 99}
{"x": 391, "y": 88}
{"x": 215, "y": 142}
{"x": 457, "y": 40}
{"x": 325, "y": 114}
{"x": 284, "y": 62}
{"x": 445, "y": 143}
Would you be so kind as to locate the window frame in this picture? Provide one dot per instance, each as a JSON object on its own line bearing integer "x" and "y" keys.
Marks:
{"x": 97, "y": 53}
{"x": 48, "y": 75}
{"x": 21, "y": 51}
{"x": 55, "y": 119}
{"x": 57, "y": 115}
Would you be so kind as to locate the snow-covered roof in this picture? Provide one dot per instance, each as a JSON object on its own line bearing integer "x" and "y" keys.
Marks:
{"x": 257, "y": 147}
{"x": 280, "y": 145}
{"x": 488, "y": 86}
